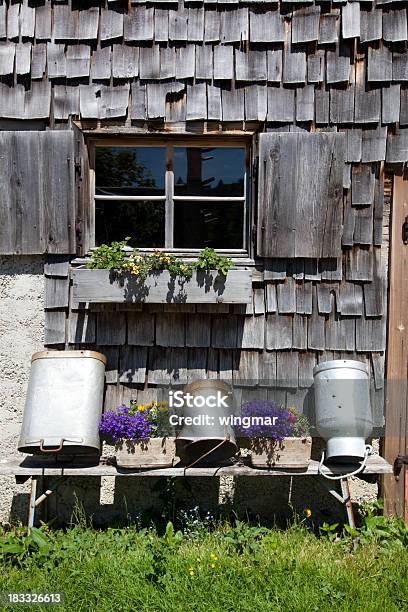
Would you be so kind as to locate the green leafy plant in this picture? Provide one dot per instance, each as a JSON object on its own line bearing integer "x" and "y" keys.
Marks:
{"x": 161, "y": 551}
{"x": 111, "y": 257}
{"x": 208, "y": 260}
{"x": 143, "y": 265}
{"x": 114, "y": 257}
{"x": 172, "y": 538}
{"x": 19, "y": 544}
{"x": 244, "y": 537}
{"x": 330, "y": 531}
{"x": 378, "y": 529}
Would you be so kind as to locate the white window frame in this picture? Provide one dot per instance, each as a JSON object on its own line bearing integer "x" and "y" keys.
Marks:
{"x": 169, "y": 198}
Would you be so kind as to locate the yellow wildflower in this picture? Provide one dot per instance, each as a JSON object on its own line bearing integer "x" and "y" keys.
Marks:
{"x": 308, "y": 512}
{"x": 141, "y": 408}
{"x": 191, "y": 571}
{"x": 213, "y": 557}
{"x": 212, "y": 565}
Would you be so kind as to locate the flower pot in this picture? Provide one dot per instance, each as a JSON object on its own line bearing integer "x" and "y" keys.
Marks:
{"x": 153, "y": 453}
{"x": 267, "y": 453}
{"x": 107, "y": 286}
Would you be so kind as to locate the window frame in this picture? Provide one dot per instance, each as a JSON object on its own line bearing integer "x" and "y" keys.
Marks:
{"x": 169, "y": 198}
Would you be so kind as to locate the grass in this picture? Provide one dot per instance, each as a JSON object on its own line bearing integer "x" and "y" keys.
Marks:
{"x": 228, "y": 568}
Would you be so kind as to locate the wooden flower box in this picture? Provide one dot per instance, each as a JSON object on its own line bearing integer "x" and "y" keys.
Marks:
{"x": 155, "y": 453}
{"x": 290, "y": 453}
{"x": 103, "y": 286}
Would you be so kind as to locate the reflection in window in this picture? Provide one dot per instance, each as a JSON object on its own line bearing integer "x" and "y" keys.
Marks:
{"x": 144, "y": 221}
{"x": 209, "y": 172}
{"x": 218, "y": 225}
{"x": 130, "y": 170}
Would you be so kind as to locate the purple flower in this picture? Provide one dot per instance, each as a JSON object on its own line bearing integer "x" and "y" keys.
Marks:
{"x": 117, "y": 425}
{"x": 265, "y": 419}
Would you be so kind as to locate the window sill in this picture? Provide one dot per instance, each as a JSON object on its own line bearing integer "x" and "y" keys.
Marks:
{"x": 104, "y": 286}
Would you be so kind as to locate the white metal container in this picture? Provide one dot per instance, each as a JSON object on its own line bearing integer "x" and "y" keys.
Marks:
{"x": 343, "y": 408}
{"x": 64, "y": 403}
{"x": 207, "y": 441}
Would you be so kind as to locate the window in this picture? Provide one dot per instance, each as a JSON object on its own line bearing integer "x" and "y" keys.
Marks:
{"x": 173, "y": 196}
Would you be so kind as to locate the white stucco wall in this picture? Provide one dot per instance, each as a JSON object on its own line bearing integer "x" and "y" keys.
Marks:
{"x": 21, "y": 334}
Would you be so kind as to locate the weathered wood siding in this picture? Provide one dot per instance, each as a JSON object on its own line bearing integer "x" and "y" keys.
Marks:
{"x": 300, "y": 195}
{"x": 101, "y": 286}
{"x": 210, "y": 67}
{"x": 267, "y": 349}
{"x": 324, "y": 64}
{"x": 37, "y": 192}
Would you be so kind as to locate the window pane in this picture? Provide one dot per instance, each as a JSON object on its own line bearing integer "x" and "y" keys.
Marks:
{"x": 208, "y": 224}
{"x": 130, "y": 170}
{"x": 143, "y": 221}
{"x": 209, "y": 172}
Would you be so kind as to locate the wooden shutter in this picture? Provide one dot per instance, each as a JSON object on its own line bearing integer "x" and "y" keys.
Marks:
{"x": 84, "y": 209}
{"x": 300, "y": 193}
{"x": 37, "y": 192}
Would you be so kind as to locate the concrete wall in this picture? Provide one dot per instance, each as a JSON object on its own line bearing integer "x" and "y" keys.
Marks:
{"x": 21, "y": 334}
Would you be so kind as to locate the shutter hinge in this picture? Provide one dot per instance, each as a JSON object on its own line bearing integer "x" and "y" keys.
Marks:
{"x": 405, "y": 231}
{"x": 78, "y": 232}
{"x": 399, "y": 462}
{"x": 78, "y": 165}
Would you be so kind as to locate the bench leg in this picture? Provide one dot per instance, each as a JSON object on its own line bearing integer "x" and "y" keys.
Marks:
{"x": 342, "y": 496}
{"x": 345, "y": 491}
{"x": 37, "y": 501}
{"x": 32, "y": 504}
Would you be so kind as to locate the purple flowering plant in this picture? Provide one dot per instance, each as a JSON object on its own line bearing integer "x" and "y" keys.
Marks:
{"x": 137, "y": 422}
{"x": 266, "y": 419}
{"x": 124, "y": 424}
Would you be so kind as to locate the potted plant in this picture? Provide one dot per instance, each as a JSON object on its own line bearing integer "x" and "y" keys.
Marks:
{"x": 275, "y": 436}
{"x": 117, "y": 273}
{"x": 140, "y": 434}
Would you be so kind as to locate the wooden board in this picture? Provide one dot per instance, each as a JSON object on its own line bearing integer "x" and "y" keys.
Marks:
{"x": 396, "y": 421}
{"x": 40, "y": 466}
{"x": 37, "y": 192}
{"x": 97, "y": 286}
{"x": 313, "y": 200}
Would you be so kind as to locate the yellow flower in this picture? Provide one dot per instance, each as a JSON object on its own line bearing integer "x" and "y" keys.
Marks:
{"x": 212, "y": 565}
{"x": 213, "y": 557}
{"x": 308, "y": 512}
{"x": 141, "y": 408}
{"x": 191, "y": 571}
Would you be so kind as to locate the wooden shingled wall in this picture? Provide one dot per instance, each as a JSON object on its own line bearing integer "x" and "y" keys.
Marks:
{"x": 299, "y": 317}
{"x": 270, "y": 67}
{"x": 295, "y": 64}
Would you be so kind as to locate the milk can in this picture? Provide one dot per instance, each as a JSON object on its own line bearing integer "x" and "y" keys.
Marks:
{"x": 207, "y": 436}
{"x": 64, "y": 403}
{"x": 343, "y": 408}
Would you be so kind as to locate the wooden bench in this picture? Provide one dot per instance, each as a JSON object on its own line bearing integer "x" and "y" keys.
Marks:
{"x": 36, "y": 468}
